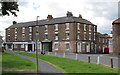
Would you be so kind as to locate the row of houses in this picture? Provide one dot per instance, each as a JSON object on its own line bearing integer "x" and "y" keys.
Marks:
{"x": 62, "y": 34}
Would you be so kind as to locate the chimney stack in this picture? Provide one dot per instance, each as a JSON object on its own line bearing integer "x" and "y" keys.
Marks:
{"x": 69, "y": 14}
{"x": 49, "y": 17}
{"x": 80, "y": 16}
{"x": 14, "y": 22}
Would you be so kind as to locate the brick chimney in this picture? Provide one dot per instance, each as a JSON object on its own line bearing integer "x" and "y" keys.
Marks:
{"x": 49, "y": 17}
{"x": 80, "y": 16}
{"x": 14, "y": 22}
{"x": 69, "y": 14}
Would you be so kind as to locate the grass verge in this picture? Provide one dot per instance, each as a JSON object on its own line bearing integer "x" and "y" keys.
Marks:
{"x": 71, "y": 65}
{"x": 13, "y": 61}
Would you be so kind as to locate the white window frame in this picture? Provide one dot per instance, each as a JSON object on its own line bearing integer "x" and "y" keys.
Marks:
{"x": 67, "y": 43}
{"x": 89, "y": 27}
{"x": 92, "y": 45}
{"x": 15, "y": 38}
{"x": 78, "y": 26}
{"x": 22, "y": 46}
{"x": 23, "y": 38}
{"x": 46, "y": 35}
{"x": 37, "y": 29}
{"x": 8, "y": 37}
{"x": 46, "y": 27}
{"x": 56, "y": 37}
{"x": 90, "y": 36}
{"x": 78, "y": 37}
{"x": 30, "y": 37}
{"x": 15, "y": 30}
{"x": 30, "y": 29}
{"x": 56, "y": 27}
{"x": 83, "y": 46}
{"x": 56, "y": 47}
{"x": 67, "y": 26}
{"x": 23, "y": 30}
{"x": 94, "y": 36}
{"x": 103, "y": 40}
{"x": 85, "y": 27}
{"x": 8, "y": 31}
{"x": 67, "y": 36}
{"x": 94, "y": 29}
{"x": 84, "y": 35}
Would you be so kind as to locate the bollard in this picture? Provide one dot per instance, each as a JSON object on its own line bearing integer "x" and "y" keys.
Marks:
{"x": 64, "y": 54}
{"x": 98, "y": 60}
{"x": 76, "y": 56}
{"x": 55, "y": 53}
{"x": 111, "y": 63}
{"x": 88, "y": 59}
{"x": 48, "y": 53}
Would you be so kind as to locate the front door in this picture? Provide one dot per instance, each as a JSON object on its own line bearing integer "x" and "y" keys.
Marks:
{"x": 78, "y": 47}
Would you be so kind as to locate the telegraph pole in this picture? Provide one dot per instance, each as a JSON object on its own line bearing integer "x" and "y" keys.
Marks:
{"x": 36, "y": 45}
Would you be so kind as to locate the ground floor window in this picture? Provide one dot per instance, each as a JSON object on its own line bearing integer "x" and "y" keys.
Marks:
{"x": 83, "y": 47}
{"x": 22, "y": 46}
{"x": 56, "y": 46}
{"x": 67, "y": 46}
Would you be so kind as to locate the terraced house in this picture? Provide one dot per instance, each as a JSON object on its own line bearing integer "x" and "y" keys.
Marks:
{"x": 63, "y": 34}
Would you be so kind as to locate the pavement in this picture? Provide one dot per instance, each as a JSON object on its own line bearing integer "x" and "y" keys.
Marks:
{"x": 44, "y": 67}
{"x": 104, "y": 59}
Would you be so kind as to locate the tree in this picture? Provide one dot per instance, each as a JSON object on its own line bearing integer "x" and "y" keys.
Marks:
{"x": 9, "y": 7}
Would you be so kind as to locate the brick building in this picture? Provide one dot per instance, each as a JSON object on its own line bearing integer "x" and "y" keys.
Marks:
{"x": 102, "y": 42}
{"x": 116, "y": 36}
{"x": 63, "y": 34}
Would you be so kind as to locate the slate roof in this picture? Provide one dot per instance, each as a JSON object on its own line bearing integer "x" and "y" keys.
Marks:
{"x": 52, "y": 21}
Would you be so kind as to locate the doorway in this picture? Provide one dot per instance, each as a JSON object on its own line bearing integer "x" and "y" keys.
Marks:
{"x": 47, "y": 46}
{"x": 29, "y": 47}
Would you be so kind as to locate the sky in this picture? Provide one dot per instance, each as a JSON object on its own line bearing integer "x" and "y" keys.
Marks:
{"x": 100, "y": 12}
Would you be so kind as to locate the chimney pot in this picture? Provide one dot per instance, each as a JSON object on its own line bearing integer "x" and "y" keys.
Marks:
{"x": 14, "y": 22}
{"x": 80, "y": 16}
{"x": 49, "y": 17}
{"x": 69, "y": 14}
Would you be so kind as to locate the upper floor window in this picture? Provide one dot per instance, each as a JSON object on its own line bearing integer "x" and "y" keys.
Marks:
{"x": 23, "y": 37}
{"x": 67, "y": 36}
{"x": 46, "y": 27}
{"x": 8, "y": 31}
{"x": 56, "y": 36}
{"x": 46, "y": 36}
{"x": 67, "y": 46}
{"x": 94, "y": 36}
{"x": 23, "y": 30}
{"x": 103, "y": 40}
{"x": 67, "y": 26}
{"x": 30, "y": 29}
{"x": 84, "y": 35}
{"x": 78, "y": 26}
{"x": 56, "y": 46}
{"x": 94, "y": 29}
{"x": 99, "y": 40}
{"x": 84, "y": 27}
{"x": 37, "y": 29}
{"x": 56, "y": 26}
{"x": 15, "y": 38}
{"x": 30, "y": 37}
{"x": 15, "y": 30}
{"x": 89, "y": 36}
{"x": 78, "y": 36}
{"x": 8, "y": 37}
{"x": 89, "y": 27}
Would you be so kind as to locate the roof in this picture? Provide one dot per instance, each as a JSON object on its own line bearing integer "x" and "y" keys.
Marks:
{"x": 117, "y": 21}
{"x": 52, "y": 21}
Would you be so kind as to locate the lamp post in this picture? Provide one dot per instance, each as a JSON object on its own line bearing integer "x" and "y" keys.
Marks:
{"x": 36, "y": 44}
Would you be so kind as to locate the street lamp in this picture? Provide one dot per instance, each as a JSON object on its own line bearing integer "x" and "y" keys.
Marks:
{"x": 36, "y": 44}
